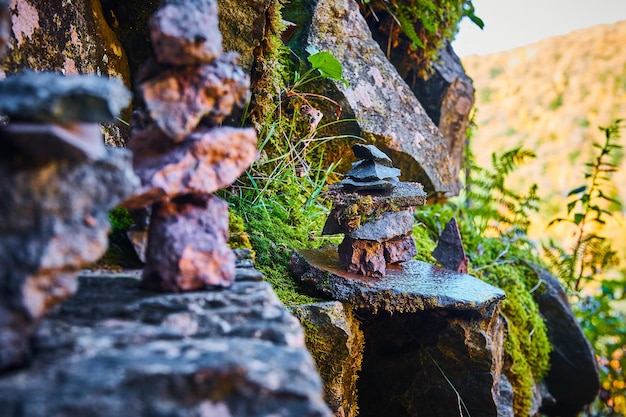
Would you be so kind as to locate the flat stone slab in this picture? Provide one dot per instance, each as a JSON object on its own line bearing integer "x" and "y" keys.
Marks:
{"x": 408, "y": 287}
{"x": 115, "y": 349}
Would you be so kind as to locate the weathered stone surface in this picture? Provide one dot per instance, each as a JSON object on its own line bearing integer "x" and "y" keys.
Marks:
{"x": 51, "y": 97}
{"x": 117, "y": 350}
{"x": 371, "y": 153}
{"x": 5, "y": 26}
{"x": 186, "y": 32}
{"x": 363, "y": 257}
{"x": 404, "y": 194}
{"x": 400, "y": 249}
{"x": 43, "y": 141}
{"x": 433, "y": 365}
{"x": 187, "y": 247}
{"x": 573, "y": 379}
{"x": 449, "y": 250}
{"x": 335, "y": 340}
{"x": 139, "y": 240}
{"x": 51, "y": 36}
{"x": 409, "y": 287}
{"x": 448, "y": 97}
{"x": 204, "y": 162}
{"x": 388, "y": 226}
{"x": 177, "y": 99}
{"x": 53, "y": 221}
{"x": 385, "y": 108}
{"x": 370, "y": 171}
{"x": 244, "y": 27}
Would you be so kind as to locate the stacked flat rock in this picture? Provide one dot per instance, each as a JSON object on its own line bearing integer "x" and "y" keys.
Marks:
{"x": 57, "y": 184}
{"x": 374, "y": 210}
{"x": 181, "y": 154}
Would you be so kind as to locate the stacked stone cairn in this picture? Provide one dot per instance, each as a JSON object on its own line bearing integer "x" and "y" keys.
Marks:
{"x": 180, "y": 153}
{"x": 58, "y": 182}
{"x": 374, "y": 210}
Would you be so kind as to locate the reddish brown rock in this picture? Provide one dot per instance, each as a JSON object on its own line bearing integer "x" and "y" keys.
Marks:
{"x": 363, "y": 257}
{"x": 44, "y": 141}
{"x": 400, "y": 249}
{"x": 205, "y": 162}
{"x": 186, "y": 33}
{"x": 177, "y": 99}
{"x": 187, "y": 247}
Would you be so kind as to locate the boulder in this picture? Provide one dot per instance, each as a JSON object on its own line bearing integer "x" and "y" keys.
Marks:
{"x": 207, "y": 160}
{"x": 177, "y": 99}
{"x": 53, "y": 222}
{"x": 54, "y": 98}
{"x": 186, "y": 32}
{"x": 115, "y": 349}
{"x": 386, "y": 111}
{"x": 187, "y": 247}
{"x": 573, "y": 380}
{"x": 335, "y": 340}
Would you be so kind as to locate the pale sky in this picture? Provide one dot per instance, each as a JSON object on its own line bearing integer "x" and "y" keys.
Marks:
{"x": 513, "y": 23}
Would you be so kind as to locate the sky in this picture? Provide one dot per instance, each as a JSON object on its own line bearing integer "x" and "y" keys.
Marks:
{"x": 513, "y": 23}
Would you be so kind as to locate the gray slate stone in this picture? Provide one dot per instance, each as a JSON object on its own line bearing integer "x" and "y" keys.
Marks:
{"x": 388, "y": 226}
{"x": 573, "y": 379}
{"x": 370, "y": 171}
{"x": 186, "y": 32}
{"x": 55, "y": 98}
{"x": 117, "y": 350}
{"x": 371, "y": 153}
{"x": 53, "y": 221}
{"x": 363, "y": 186}
{"x": 386, "y": 110}
{"x": 413, "y": 286}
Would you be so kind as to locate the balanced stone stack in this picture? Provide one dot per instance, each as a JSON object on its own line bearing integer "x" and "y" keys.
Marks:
{"x": 58, "y": 182}
{"x": 374, "y": 211}
{"x": 180, "y": 153}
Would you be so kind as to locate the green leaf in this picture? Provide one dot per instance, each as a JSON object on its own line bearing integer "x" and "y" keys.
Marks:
{"x": 577, "y": 190}
{"x": 578, "y": 218}
{"x": 571, "y": 205}
{"x": 328, "y": 66}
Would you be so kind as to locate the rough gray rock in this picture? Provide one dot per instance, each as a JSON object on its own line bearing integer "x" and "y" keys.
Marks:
{"x": 573, "y": 379}
{"x": 186, "y": 32}
{"x": 386, "y": 110}
{"x": 388, "y": 226}
{"x": 177, "y": 99}
{"x": 371, "y": 153}
{"x": 44, "y": 141}
{"x": 449, "y": 250}
{"x": 117, "y": 350}
{"x": 335, "y": 340}
{"x": 50, "y": 97}
{"x": 187, "y": 247}
{"x": 412, "y": 287}
{"x": 209, "y": 159}
{"x": 53, "y": 221}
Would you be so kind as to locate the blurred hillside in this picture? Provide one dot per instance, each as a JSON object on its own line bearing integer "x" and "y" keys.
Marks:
{"x": 551, "y": 97}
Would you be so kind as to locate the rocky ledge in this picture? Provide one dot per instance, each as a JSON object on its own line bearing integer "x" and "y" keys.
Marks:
{"x": 115, "y": 349}
{"x": 413, "y": 286}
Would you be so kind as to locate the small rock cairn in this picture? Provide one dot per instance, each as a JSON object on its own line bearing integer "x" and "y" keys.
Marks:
{"x": 373, "y": 209}
{"x": 180, "y": 154}
{"x": 58, "y": 181}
